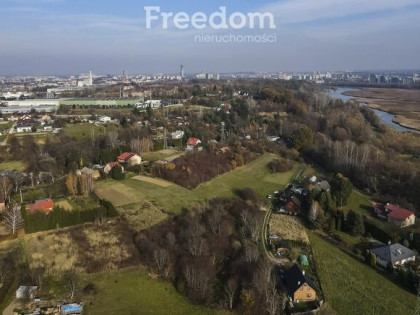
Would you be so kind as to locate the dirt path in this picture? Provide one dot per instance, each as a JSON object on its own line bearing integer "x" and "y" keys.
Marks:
{"x": 9, "y": 309}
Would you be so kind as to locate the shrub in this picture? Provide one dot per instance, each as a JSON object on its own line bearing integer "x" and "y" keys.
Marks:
{"x": 278, "y": 166}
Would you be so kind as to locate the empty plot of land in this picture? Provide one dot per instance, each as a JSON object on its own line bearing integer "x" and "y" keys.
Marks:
{"x": 142, "y": 216}
{"x": 288, "y": 228}
{"x": 118, "y": 194}
{"x": 155, "y": 181}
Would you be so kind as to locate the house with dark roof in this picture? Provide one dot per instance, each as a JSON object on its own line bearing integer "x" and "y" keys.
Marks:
{"x": 299, "y": 287}
{"x": 323, "y": 186}
{"x": 395, "y": 254}
{"x": 292, "y": 206}
{"x": 395, "y": 215}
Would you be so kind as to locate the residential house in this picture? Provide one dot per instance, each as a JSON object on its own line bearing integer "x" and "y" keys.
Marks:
{"x": 324, "y": 185}
{"x": 299, "y": 287}
{"x": 192, "y": 143}
{"x": 394, "y": 254}
{"x": 48, "y": 128}
{"x": 26, "y": 292}
{"x": 23, "y": 128}
{"x": 111, "y": 165}
{"x": 178, "y": 134}
{"x": 88, "y": 171}
{"x": 104, "y": 119}
{"x": 292, "y": 206}
{"x": 395, "y": 215}
{"x": 45, "y": 205}
{"x": 129, "y": 158}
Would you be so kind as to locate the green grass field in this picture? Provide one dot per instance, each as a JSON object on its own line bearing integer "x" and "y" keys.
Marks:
{"x": 255, "y": 175}
{"x": 82, "y": 130}
{"x": 352, "y": 287}
{"x": 13, "y": 165}
{"x": 6, "y": 125}
{"x": 134, "y": 292}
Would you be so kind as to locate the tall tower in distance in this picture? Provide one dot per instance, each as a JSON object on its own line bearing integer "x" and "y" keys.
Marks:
{"x": 181, "y": 72}
{"x": 90, "y": 78}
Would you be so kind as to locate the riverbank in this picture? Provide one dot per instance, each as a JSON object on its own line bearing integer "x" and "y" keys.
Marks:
{"x": 403, "y": 105}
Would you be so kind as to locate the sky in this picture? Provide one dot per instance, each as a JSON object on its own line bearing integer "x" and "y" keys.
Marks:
{"x": 109, "y": 36}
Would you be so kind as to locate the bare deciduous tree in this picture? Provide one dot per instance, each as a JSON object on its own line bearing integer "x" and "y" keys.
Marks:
{"x": 255, "y": 226}
{"x": 13, "y": 218}
{"x": 161, "y": 257}
{"x": 6, "y": 187}
{"x": 272, "y": 298}
{"x": 214, "y": 218}
{"x": 112, "y": 139}
{"x": 72, "y": 282}
{"x": 251, "y": 253}
{"x": 231, "y": 287}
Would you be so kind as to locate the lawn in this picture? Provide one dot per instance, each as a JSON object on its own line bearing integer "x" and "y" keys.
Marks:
{"x": 134, "y": 292}
{"x": 175, "y": 198}
{"x": 13, "y": 165}
{"x": 6, "y": 125}
{"x": 352, "y": 287}
{"x": 82, "y": 130}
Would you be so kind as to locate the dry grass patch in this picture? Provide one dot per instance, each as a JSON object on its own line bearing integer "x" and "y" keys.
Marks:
{"x": 86, "y": 248}
{"x": 288, "y": 228}
{"x": 65, "y": 205}
{"x": 151, "y": 180}
{"x": 118, "y": 194}
{"x": 56, "y": 252}
{"x": 143, "y": 216}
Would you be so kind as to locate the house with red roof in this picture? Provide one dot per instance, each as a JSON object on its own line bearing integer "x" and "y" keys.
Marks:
{"x": 45, "y": 205}
{"x": 129, "y": 158}
{"x": 192, "y": 143}
{"x": 395, "y": 215}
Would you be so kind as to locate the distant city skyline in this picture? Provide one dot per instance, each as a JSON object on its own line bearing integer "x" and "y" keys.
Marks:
{"x": 63, "y": 37}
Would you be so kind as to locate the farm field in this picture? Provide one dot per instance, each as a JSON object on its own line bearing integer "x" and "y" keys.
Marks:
{"x": 352, "y": 287}
{"x": 174, "y": 198}
{"x": 135, "y": 292}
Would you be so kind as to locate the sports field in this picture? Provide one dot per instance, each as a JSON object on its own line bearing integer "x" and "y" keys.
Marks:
{"x": 174, "y": 198}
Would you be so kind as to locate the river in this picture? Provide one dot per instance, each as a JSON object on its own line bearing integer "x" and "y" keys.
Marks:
{"x": 385, "y": 117}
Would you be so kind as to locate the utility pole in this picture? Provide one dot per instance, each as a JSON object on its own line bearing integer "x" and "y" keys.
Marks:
{"x": 165, "y": 140}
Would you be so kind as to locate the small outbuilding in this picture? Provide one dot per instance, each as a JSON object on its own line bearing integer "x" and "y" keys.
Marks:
{"x": 303, "y": 259}
{"x": 26, "y": 292}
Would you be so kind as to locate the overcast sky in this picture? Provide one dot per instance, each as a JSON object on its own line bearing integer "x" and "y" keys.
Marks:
{"x": 108, "y": 36}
